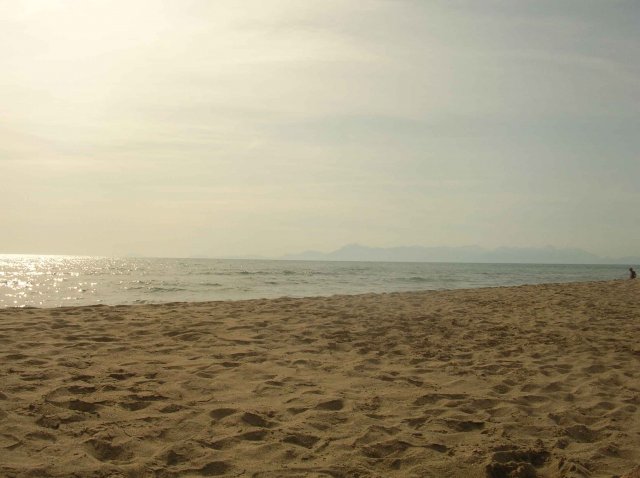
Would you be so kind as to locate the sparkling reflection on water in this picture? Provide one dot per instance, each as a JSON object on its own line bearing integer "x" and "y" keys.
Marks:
{"x": 51, "y": 281}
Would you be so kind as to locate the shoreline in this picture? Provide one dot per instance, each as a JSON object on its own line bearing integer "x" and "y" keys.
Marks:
{"x": 537, "y": 380}
{"x": 285, "y": 297}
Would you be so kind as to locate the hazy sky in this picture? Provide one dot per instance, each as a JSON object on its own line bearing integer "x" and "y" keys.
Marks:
{"x": 181, "y": 127}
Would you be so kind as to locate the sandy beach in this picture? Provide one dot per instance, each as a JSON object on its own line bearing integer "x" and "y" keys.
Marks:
{"x": 531, "y": 381}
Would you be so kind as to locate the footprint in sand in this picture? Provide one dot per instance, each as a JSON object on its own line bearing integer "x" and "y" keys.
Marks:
{"x": 582, "y": 434}
{"x": 331, "y": 405}
{"x": 516, "y": 463}
{"x": 464, "y": 425}
{"x": 385, "y": 449}
{"x": 221, "y": 413}
{"x": 501, "y": 389}
{"x": 215, "y": 468}
{"x": 255, "y": 435}
{"x": 256, "y": 420}
{"x": 306, "y": 441}
{"x": 106, "y": 451}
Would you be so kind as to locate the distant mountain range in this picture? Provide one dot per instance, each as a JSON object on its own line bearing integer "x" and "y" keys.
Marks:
{"x": 541, "y": 255}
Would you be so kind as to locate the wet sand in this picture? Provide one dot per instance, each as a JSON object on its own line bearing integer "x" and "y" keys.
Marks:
{"x": 517, "y": 382}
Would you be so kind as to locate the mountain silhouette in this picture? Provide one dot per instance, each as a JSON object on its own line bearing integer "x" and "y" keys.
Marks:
{"x": 473, "y": 254}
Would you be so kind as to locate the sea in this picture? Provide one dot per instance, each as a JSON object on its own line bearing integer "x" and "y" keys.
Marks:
{"x": 56, "y": 281}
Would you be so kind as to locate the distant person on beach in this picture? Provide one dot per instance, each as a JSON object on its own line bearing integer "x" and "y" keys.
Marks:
{"x": 632, "y": 273}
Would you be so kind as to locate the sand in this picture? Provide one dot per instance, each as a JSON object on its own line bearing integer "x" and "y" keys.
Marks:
{"x": 501, "y": 382}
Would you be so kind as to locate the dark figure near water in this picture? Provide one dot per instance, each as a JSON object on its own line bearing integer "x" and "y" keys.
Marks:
{"x": 632, "y": 273}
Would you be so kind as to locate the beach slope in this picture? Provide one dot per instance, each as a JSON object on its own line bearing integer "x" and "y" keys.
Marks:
{"x": 518, "y": 382}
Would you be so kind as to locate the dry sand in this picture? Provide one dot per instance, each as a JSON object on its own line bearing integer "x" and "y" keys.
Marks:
{"x": 503, "y": 382}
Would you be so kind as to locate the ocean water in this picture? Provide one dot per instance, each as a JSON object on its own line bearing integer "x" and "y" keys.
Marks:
{"x": 53, "y": 281}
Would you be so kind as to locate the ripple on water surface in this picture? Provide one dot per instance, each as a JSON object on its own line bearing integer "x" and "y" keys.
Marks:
{"x": 52, "y": 281}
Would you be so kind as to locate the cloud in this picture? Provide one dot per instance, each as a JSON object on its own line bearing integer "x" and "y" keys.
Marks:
{"x": 300, "y": 125}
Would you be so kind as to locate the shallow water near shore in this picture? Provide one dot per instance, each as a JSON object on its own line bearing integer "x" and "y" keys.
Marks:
{"x": 53, "y": 281}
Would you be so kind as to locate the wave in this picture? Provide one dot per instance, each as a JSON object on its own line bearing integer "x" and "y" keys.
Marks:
{"x": 417, "y": 279}
{"x": 158, "y": 280}
{"x": 166, "y": 289}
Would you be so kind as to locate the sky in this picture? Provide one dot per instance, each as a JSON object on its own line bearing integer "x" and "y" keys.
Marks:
{"x": 182, "y": 128}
